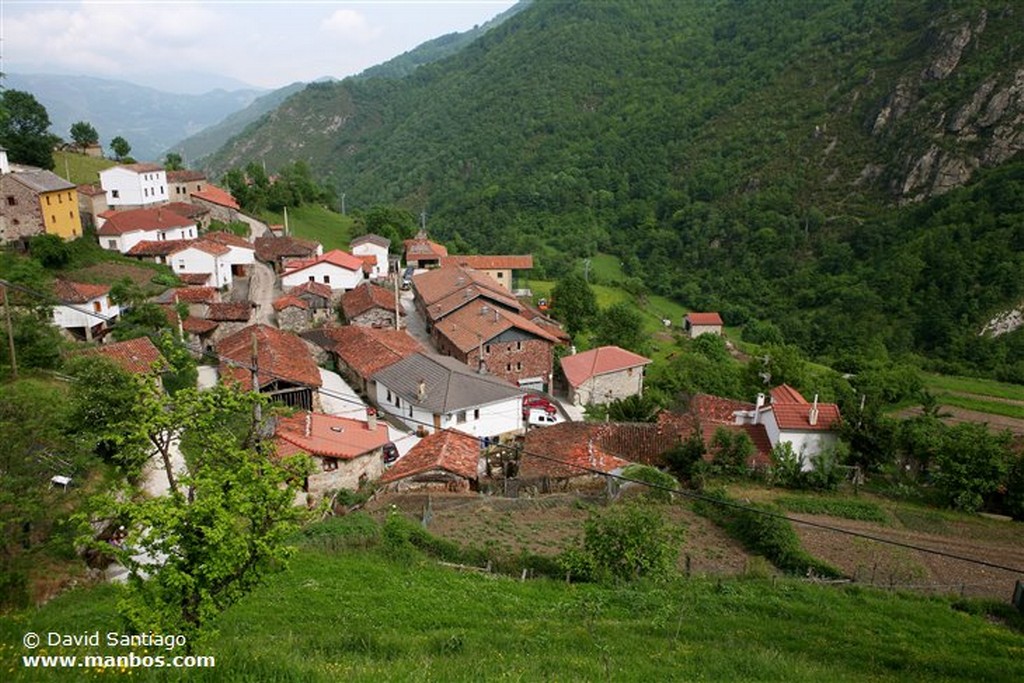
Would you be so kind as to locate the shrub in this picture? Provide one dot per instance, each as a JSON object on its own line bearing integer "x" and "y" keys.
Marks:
{"x": 624, "y": 542}
{"x": 652, "y": 475}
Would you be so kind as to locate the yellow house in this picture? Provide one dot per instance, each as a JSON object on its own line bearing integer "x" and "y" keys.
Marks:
{"x": 58, "y": 202}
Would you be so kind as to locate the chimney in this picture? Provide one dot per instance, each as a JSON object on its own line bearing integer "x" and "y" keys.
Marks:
{"x": 484, "y": 310}
{"x": 495, "y": 315}
{"x": 371, "y": 419}
{"x": 309, "y": 424}
{"x": 758, "y": 404}
{"x": 813, "y": 417}
{"x": 421, "y": 390}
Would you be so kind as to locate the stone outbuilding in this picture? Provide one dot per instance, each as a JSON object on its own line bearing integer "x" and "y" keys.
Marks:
{"x": 443, "y": 461}
{"x": 370, "y": 305}
{"x": 605, "y": 374}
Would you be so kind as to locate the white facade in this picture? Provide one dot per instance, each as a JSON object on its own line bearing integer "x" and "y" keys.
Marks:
{"x": 806, "y": 443}
{"x": 126, "y": 186}
{"x": 193, "y": 259}
{"x": 335, "y": 277}
{"x": 490, "y": 419}
{"x": 240, "y": 256}
{"x": 75, "y": 316}
{"x": 382, "y": 268}
{"x": 125, "y": 241}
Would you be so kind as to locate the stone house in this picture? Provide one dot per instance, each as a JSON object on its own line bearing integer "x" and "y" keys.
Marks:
{"x": 504, "y": 269}
{"x": 439, "y": 293}
{"x": 443, "y": 461}
{"x": 605, "y": 374}
{"x": 319, "y": 299}
{"x": 571, "y": 456}
{"x": 347, "y": 453}
{"x": 220, "y": 203}
{"x": 492, "y": 339}
{"x": 370, "y": 305}
{"x": 36, "y": 201}
{"x": 697, "y": 324}
{"x": 420, "y": 252}
{"x": 287, "y": 371}
{"x": 360, "y": 352}
{"x": 181, "y": 184}
{"x": 276, "y": 251}
{"x": 293, "y": 313}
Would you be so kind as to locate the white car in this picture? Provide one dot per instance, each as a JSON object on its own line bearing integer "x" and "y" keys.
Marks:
{"x": 538, "y": 417}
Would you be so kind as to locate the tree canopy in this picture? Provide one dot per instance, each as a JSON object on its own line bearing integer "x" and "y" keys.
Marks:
{"x": 24, "y": 129}
{"x": 84, "y": 134}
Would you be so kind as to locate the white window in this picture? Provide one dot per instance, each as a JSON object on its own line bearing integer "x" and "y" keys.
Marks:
{"x": 460, "y": 416}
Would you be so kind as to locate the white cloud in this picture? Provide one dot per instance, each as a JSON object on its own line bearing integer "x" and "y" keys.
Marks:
{"x": 351, "y": 25}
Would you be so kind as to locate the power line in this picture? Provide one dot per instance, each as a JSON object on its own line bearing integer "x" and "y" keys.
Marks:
{"x": 682, "y": 492}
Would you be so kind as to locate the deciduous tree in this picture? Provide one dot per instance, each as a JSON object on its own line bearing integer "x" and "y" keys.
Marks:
{"x": 24, "y": 129}
{"x": 574, "y": 303}
{"x": 120, "y": 147}
{"x": 223, "y": 525}
{"x": 84, "y": 134}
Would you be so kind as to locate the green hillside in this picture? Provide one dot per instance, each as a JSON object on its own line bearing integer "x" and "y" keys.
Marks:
{"x": 341, "y": 613}
{"x": 793, "y": 162}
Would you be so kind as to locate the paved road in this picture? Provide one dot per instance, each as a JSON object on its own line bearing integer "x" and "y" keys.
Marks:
{"x": 262, "y": 292}
{"x": 414, "y": 324}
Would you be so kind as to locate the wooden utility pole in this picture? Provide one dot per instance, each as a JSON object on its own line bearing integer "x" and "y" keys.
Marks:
{"x": 257, "y": 410}
{"x": 10, "y": 333}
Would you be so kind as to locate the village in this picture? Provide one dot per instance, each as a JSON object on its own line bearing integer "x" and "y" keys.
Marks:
{"x": 406, "y": 368}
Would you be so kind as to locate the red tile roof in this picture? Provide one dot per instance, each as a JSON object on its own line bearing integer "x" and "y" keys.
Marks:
{"x": 367, "y": 350}
{"x": 271, "y": 248}
{"x": 235, "y": 311}
{"x": 141, "y": 167}
{"x": 328, "y": 436}
{"x": 283, "y": 302}
{"x": 281, "y": 355}
{"x": 188, "y": 210}
{"x": 600, "y": 361}
{"x": 69, "y": 292}
{"x": 420, "y": 248}
{"x": 150, "y": 220}
{"x": 369, "y": 261}
{"x": 793, "y": 412}
{"x": 479, "y": 322}
{"x": 447, "y": 289}
{"x": 708, "y": 408}
{"x": 194, "y": 325}
{"x": 229, "y": 239}
{"x": 134, "y": 355}
{"x": 490, "y": 261}
{"x": 157, "y": 247}
{"x": 91, "y": 190}
{"x": 446, "y": 450}
{"x": 185, "y": 175}
{"x": 212, "y": 248}
{"x": 366, "y": 297}
{"x": 335, "y": 257}
{"x": 215, "y": 195}
{"x": 195, "y": 295}
{"x": 319, "y": 289}
{"x": 762, "y": 455}
{"x": 567, "y": 449}
{"x": 198, "y": 279}
{"x": 704, "y": 319}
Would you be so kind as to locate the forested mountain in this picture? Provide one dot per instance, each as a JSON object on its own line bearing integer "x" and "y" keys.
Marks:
{"x": 770, "y": 160}
{"x": 200, "y": 145}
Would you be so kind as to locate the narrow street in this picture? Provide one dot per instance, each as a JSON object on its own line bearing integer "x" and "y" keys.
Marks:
{"x": 263, "y": 289}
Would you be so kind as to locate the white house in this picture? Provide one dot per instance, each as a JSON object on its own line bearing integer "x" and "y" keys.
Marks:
{"x": 122, "y": 230}
{"x": 430, "y": 392}
{"x": 337, "y": 269}
{"x": 85, "y": 310}
{"x": 376, "y": 246}
{"x": 204, "y": 257}
{"x": 241, "y": 252}
{"x": 135, "y": 185}
{"x": 810, "y": 428}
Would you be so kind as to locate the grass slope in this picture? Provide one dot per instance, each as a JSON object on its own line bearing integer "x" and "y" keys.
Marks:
{"x": 355, "y": 615}
{"x": 316, "y": 223}
{"x": 79, "y": 168}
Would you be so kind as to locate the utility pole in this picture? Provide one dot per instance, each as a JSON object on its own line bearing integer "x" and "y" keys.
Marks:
{"x": 342, "y": 203}
{"x": 398, "y": 304}
{"x": 257, "y": 409}
{"x": 10, "y": 333}
{"x": 586, "y": 269}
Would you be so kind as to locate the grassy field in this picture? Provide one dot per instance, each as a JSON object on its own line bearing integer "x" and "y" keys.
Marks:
{"x": 971, "y": 385}
{"x": 354, "y": 614}
{"x": 79, "y": 168}
{"x": 316, "y": 223}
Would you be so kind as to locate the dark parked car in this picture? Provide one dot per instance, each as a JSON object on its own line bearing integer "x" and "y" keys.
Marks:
{"x": 390, "y": 453}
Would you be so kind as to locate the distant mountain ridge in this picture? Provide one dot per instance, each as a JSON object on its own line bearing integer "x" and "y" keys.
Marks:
{"x": 150, "y": 120}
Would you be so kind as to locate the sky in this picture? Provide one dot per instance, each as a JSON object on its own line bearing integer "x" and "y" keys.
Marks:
{"x": 170, "y": 44}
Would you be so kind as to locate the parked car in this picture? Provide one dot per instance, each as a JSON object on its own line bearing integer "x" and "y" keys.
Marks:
{"x": 532, "y": 400}
{"x": 538, "y": 417}
{"x": 407, "y": 277}
{"x": 390, "y": 453}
